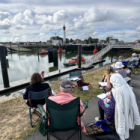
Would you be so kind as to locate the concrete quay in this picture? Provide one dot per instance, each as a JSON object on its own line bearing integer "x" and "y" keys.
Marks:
{"x": 26, "y": 81}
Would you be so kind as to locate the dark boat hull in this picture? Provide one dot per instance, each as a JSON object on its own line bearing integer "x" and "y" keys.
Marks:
{"x": 43, "y": 53}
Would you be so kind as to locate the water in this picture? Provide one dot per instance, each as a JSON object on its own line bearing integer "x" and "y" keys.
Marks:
{"x": 23, "y": 65}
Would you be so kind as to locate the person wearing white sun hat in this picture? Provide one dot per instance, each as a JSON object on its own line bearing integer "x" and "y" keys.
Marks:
{"x": 121, "y": 71}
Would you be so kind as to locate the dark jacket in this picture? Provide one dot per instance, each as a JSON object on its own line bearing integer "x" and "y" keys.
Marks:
{"x": 36, "y": 88}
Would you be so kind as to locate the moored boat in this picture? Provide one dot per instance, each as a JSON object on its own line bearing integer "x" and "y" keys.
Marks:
{"x": 43, "y": 52}
{"x": 74, "y": 61}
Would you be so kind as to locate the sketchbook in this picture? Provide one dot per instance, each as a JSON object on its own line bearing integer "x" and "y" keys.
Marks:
{"x": 103, "y": 84}
{"x": 85, "y": 88}
{"x": 101, "y": 96}
{"x": 127, "y": 78}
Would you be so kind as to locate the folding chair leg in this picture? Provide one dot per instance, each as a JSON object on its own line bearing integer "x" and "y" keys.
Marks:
{"x": 48, "y": 136}
{"x": 30, "y": 114}
{"x": 79, "y": 137}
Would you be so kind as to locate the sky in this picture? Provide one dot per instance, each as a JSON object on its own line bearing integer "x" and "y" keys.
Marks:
{"x": 38, "y": 20}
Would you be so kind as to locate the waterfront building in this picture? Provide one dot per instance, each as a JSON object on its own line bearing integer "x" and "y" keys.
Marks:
{"x": 57, "y": 42}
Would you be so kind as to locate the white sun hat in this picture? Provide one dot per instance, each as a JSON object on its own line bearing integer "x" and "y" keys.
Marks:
{"x": 119, "y": 65}
{"x": 133, "y": 54}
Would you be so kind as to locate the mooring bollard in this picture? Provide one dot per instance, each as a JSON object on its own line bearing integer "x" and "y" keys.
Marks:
{"x": 50, "y": 54}
{"x": 79, "y": 56}
{"x": 4, "y": 66}
{"x": 42, "y": 74}
{"x": 55, "y": 57}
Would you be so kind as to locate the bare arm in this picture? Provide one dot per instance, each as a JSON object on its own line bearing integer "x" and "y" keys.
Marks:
{"x": 108, "y": 81}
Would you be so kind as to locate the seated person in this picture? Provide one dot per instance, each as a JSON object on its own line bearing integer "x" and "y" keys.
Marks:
{"x": 139, "y": 59}
{"x": 121, "y": 71}
{"x": 126, "y": 69}
{"x": 36, "y": 85}
{"x": 107, "y": 105}
{"x": 65, "y": 97}
{"x": 113, "y": 66}
{"x": 120, "y": 58}
{"x": 134, "y": 59}
{"x": 119, "y": 108}
{"x": 105, "y": 88}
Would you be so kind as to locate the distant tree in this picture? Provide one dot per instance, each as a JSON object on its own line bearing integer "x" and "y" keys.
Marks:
{"x": 71, "y": 40}
{"x": 117, "y": 40}
{"x": 95, "y": 40}
{"x": 90, "y": 40}
{"x": 67, "y": 40}
{"x": 107, "y": 39}
{"x": 86, "y": 40}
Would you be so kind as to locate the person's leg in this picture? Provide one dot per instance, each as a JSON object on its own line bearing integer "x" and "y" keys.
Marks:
{"x": 101, "y": 111}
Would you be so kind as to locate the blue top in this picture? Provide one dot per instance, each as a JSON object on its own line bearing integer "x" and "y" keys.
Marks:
{"x": 136, "y": 59}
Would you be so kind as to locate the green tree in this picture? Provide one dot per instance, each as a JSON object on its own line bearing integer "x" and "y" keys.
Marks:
{"x": 86, "y": 40}
{"x": 95, "y": 40}
{"x": 67, "y": 40}
{"x": 90, "y": 40}
{"x": 71, "y": 40}
{"x": 117, "y": 40}
{"x": 107, "y": 39}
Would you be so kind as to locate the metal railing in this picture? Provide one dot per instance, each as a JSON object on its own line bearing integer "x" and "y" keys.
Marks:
{"x": 98, "y": 55}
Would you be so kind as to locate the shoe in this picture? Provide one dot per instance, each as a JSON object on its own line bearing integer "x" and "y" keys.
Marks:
{"x": 33, "y": 110}
{"x": 97, "y": 119}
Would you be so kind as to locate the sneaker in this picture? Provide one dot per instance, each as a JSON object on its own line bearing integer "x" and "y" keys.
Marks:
{"x": 97, "y": 119}
{"x": 33, "y": 110}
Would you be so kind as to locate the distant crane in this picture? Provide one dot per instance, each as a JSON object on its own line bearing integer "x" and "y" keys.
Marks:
{"x": 135, "y": 42}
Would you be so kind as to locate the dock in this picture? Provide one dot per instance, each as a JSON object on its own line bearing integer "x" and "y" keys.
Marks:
{"x": 26, "y": 81}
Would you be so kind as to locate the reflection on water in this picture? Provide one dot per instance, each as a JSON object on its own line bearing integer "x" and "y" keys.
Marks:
{"x": 23, "y": 65}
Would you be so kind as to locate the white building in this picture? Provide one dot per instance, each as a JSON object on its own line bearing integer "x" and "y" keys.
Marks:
{"x": 57, "y": 42}
{"x": 112, "y": 41}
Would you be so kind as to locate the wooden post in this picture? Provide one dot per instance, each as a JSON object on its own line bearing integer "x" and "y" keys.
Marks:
{"x": 4, "y": 66}
{"x": 79, "y": 56}
{"x": 55, "y": 57}
{"x": 18, "y": 47}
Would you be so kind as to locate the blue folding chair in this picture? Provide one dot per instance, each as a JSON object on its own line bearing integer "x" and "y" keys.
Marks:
{"x": 37, "y": 96}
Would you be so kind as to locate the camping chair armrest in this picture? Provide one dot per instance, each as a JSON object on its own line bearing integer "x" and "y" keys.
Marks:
{"x": 42, "y": 110}
{"x": 81, "y": 114}
{"x": 85, "y": 105}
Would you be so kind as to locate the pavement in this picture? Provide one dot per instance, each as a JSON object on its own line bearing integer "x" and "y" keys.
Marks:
{"x": 92, "y": 112}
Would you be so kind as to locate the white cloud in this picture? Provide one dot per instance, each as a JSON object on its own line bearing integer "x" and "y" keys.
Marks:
{"x": 58, "y": 17}
{"x": 20, "y": 27}
{"x": 95, "y": 15}
{"x": 15, "y": 35}
{"x": 138, "y": 29}
{"x": 41, "y": 34}
{"x": 5, "y": 24}
{"x": 4, "y": 15}
{"x": 6, "y": 32}
{"x": 43, "y": 19}
{"x": 81, "y": 19}
{"x": 28, "y": 16}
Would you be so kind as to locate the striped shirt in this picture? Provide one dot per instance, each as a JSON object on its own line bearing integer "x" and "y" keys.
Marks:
{"x": 122, "y": 73}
